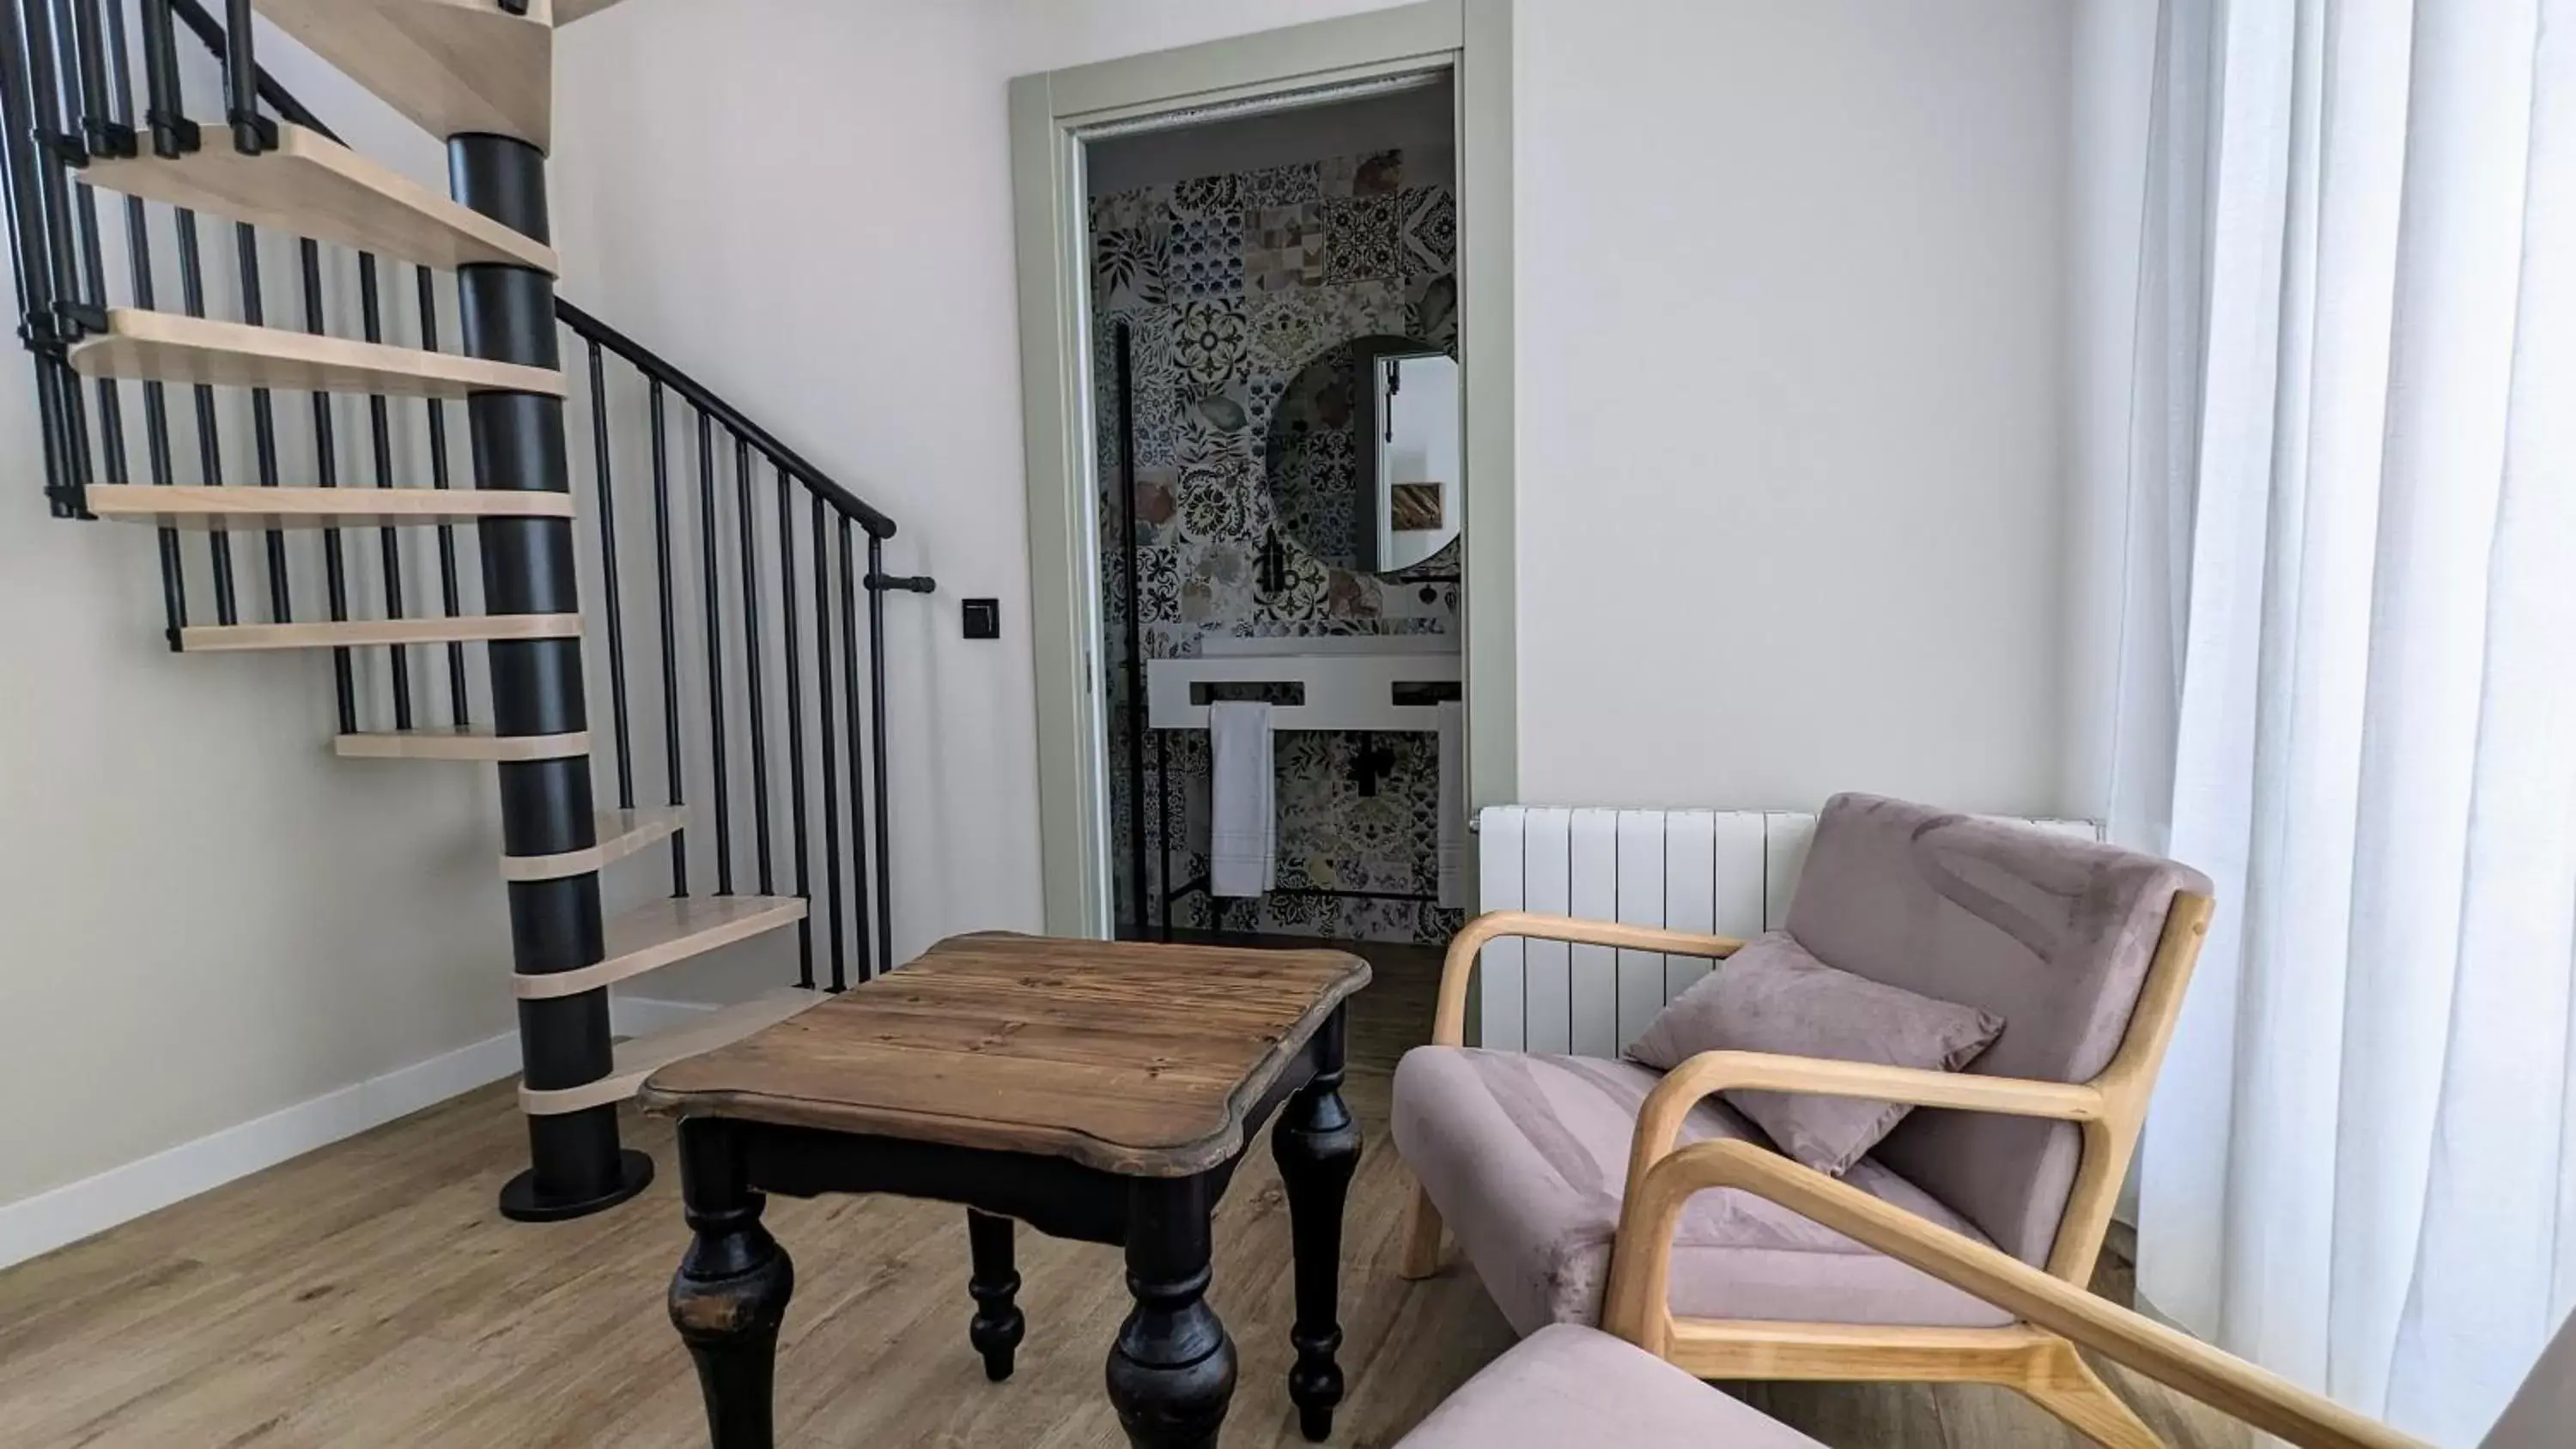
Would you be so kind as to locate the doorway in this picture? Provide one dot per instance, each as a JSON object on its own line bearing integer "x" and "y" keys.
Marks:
{"x": 1266, "y": 346}
{"x": 1281, "y": 518}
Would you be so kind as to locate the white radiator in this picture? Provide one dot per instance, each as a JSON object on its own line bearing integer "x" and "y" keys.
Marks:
{"x": 1725, "y": 872}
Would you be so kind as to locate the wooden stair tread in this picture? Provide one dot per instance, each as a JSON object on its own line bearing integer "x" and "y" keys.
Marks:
{"x": 620, "y": 833}
{"x": 661, "y": 933}
{"x": 452, "y": 66}
{"x": 472, "y": 743}
{"x": 645, "y": 1055}
{"x": 313, "y": 186}
{"x": 172, "y": 347}
{"x": 265, "y": 508}
{"x": 362, "y": 633}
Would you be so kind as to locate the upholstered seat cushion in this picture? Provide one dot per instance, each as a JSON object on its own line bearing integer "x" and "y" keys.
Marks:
{"x": 1527, "y": 1156}
{"x": 1566, "y": 1385}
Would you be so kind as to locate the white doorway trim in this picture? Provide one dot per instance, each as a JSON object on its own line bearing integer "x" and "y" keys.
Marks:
{"x": 1051, "y": 113}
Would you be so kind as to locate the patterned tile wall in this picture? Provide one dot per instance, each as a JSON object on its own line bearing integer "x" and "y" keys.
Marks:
{"x": 1229, "y": 285}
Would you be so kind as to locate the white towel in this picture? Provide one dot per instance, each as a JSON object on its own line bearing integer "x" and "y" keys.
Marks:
{"x": 1453, "y": 805}
{"x": 1243, "y": 815}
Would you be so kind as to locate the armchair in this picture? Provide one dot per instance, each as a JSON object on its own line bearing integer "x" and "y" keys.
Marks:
{"x": 1536, "y": 1164}
{"x": 1566, "y": 1384}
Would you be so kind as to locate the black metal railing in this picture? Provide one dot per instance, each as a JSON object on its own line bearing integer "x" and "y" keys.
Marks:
{"x": 791, "y": 712}
{"x": 766, "y": 686}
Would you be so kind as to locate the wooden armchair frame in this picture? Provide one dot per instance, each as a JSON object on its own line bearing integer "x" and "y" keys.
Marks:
{"x": 2028, "y": 1356}
{"x": 1638, "y": 1283}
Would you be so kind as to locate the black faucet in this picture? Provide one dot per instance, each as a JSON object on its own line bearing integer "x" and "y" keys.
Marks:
{"x": 1371, "y": 761}
{"x": 1274, "y": 565}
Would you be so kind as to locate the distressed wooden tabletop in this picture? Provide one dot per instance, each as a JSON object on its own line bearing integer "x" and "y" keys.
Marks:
{"x": 1129, "y": 1057}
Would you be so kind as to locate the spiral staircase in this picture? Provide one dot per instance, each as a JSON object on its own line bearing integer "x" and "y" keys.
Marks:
{"x": 96, "y": 97}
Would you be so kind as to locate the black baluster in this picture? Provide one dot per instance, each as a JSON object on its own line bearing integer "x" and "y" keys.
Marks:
{"x": 607, "y": 500}
{"x": 156, "y": 424}
{"x": 107, "y": 118}
{"x": 380, "y": 433}
{"x": 56, "y": 117}
{"x": 111, "y": 411}
{"x": 210, "y": 445}
{"x": 173, "y": 134}
{"x": 748, "y": 521}
{"x": 869, "y": 964}
{"x": 253, "y": 133}
{"x": 670, "y": 633}
{"x": 98, "y": 123}
{"x": 877, "y": 747}
{"x": 76, "y": 104}
{"x": 831, "y": 763}
{"x": 107, "y": 115}
{"x": 263, "y": 422}
{"x": 18, "y": 129}
{"x": 459, "y": 709}
{"x": 787, "y": 602}
{"x": 42, "y": 147}
{"x": 710, "y": 566}
{"x": 326, "y": 471}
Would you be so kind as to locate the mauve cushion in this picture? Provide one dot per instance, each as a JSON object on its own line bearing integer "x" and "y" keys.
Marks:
{"x": 1773, "y": 996}
{"x": 1567, "y": 1385}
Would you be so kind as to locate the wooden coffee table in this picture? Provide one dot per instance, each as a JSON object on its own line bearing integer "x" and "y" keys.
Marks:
{"x": 1101, "y": 1091}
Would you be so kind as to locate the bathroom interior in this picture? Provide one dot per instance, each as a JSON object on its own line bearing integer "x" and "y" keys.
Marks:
{"x": 1276, "y": 381}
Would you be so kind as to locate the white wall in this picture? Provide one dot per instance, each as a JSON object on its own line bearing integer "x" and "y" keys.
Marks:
{"x": 1794, "y": 318}
{"x": 854, "y": 290}
{"x": 1791, "y": 334}
{"x": 205, "y": 917}
{"x": 833, "y": 254}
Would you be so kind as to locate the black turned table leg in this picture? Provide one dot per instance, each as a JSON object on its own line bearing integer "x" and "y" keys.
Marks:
{"x": 1171, "y": 1373}
{"x": 732, "y": 1289}
{"x": 1317, "y": 1146}
{"x": 995, "y": 1285}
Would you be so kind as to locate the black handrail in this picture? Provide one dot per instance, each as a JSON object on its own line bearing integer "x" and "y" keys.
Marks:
{"x": 590, "y": 328}
{"x": 651, "y": 365}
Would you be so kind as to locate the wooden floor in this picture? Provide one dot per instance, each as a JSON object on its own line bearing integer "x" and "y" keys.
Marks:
{"x": 369, "y": 1295}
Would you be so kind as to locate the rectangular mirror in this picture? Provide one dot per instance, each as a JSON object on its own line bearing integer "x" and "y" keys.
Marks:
{"x": 1411, "y": 457}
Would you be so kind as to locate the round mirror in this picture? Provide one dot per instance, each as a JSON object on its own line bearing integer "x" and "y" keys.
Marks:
{"x": 1364, "y": 455}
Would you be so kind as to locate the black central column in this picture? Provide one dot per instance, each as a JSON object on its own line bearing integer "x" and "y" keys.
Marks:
{"x": 509, "y": 316}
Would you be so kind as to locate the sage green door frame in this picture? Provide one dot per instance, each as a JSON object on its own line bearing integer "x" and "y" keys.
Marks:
{"x": 1050, "y": 115}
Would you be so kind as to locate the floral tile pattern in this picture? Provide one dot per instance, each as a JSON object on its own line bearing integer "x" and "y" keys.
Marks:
{"x": 1428, "y": 224}
{"x": 1211, "y": 342}
{"x": 1279, "y": 186}
{"x": 1361, "y": 242}
{"x": 1127, "y": 267}
{"x": 1228, "y": 286}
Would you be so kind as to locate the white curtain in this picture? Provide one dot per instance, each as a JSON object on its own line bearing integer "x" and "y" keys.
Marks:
{"x": 2349, "y": 687}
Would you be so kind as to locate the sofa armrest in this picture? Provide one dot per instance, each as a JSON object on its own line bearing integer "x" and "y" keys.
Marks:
{"x": 1449, "y": 1025}
{"x": 1641, "y": 1271}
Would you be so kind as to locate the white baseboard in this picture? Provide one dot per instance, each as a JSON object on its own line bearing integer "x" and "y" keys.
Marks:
{"x": 74, "y": 1211}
